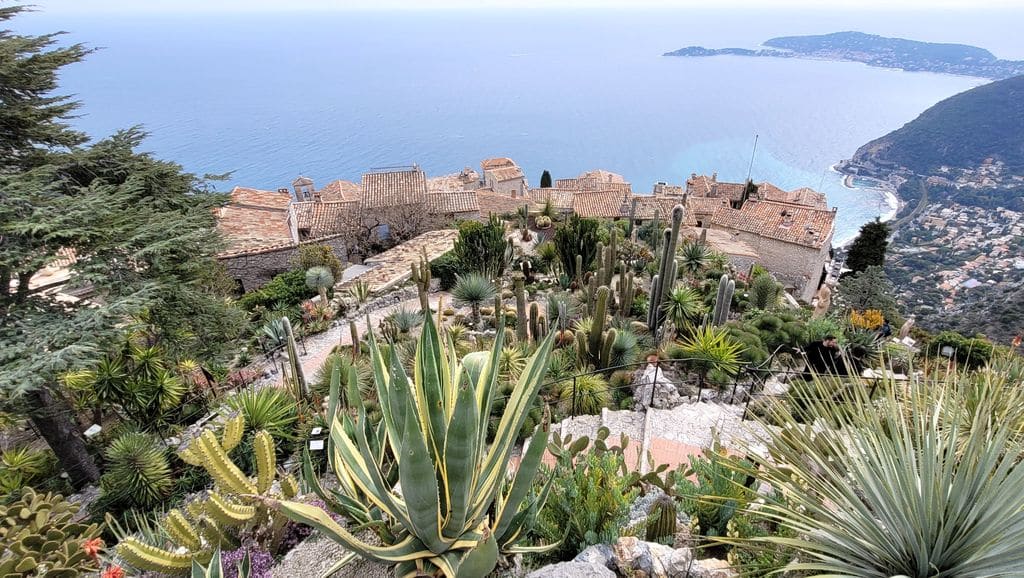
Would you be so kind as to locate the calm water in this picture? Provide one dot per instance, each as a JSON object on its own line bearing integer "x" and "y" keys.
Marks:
{"x": 330, "y": 95}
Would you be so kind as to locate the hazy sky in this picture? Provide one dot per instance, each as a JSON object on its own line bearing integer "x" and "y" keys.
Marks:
{"x": 135, "y": 6}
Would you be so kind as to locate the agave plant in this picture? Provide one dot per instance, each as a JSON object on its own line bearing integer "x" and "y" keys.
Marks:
{"x": 899, "y": 487}
{"x": 451, "y": 509}
{"x": 683, "y": 307}
{"x": 405, "y": 320}
{"x": 692, "y": 257}
{"x": 360, "y": 291}
{"x": 473, "y": 290}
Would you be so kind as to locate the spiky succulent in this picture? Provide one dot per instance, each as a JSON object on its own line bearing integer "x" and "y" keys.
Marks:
{"x": 450, "y": 509}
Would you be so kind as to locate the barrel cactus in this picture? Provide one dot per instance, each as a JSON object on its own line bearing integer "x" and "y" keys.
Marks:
{"x": 39, "y": 538}
{"x": 661, "y": 520}
{"x": 452, "y": 509}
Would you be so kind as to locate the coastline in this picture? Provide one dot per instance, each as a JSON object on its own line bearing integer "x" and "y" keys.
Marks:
{"x": 884, "y": 188}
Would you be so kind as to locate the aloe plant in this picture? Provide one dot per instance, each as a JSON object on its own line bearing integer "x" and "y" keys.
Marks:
{"x": 451, "y": 510}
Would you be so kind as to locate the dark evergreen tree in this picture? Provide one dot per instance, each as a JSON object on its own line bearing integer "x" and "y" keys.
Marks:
{"x": 868, "y": 249}
{"x": 545, "y": 180}
{"x": 134, "y": 236}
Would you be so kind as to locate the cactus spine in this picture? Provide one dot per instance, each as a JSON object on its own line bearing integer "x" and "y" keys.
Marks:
{"x": 521, "y": 324}
{"x": 726, "y": 288}
{"x": 661, "y": 520}
{"x": 667, "y": 271}
{"x": 297, "y": 374}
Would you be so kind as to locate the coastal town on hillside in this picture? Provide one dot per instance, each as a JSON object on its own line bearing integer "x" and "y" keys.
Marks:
{"x": 787, "y": 232}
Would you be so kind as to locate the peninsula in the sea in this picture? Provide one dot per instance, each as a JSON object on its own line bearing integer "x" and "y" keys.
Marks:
{"x": 880, "y": 51}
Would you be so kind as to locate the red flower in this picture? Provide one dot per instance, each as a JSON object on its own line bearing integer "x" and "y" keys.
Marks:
{"x": 93, "y": 547}
{"x": 114, "y": 571}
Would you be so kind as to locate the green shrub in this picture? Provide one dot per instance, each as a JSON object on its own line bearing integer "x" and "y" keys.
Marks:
{"x": 972, "y": 352}
{"x": 759, "y": 559}
{"x": 20, "y": 467}
{"x": 284, "y": 290}
{"x": 719, "y": 493}
{"x": 591, "y": 395}
{"x": 482, "y": 248}
{"x": 319, "y": 256}
{"x": 445, "y": 269}
{"x": 588, "y": 503}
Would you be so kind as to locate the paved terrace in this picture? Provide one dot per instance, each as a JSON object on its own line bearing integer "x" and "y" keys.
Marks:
{"x": 391, "y": 268}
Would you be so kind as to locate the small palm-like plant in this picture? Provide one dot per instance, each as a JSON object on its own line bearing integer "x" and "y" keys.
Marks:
{"x": 683, "y": 307}
{"x": 692, "y": 257}
{"x": 453, "y": 507}
{"x": 587, "y": 394}
{"x": 910, "y": 483}
{"x": 511, "y": 363}
{"x": 360, "y": 291}
{"x": 405, "y": 320}
{"x": 709, "y": 349}
{"x": 321, "y": 279}
{"x": 474, "y": 289}
{"x": 21, "y": 467}
{"x": 269, "y": 409}
{"x": 138, "y": 471}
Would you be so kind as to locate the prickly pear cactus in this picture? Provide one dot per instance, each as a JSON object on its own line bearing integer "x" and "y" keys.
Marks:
{"x": 39, "y": 538}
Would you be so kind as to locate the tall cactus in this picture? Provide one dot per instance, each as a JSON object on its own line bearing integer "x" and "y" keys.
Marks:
{"x": 661, "y": 520}
{"x": 608, "y": 341}
{"x": 421, "y": 276}
{"x": 522, "y": 335}
{"x": 610, "y": 257}
{"x": 632, "y": 219}
{"x": 354, "y": 331}
{"x": 626, "y": 293}
{"x": 298, "y": 375}
{"x": 667, "y": 271}
{"x": 538, "y": 328}
{"x": 597, "y": 325}
{"x": 726, "y": 288}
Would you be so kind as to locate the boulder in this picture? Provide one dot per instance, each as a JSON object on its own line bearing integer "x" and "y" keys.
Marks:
{"x": 572, "y": 569}
{"x": 633, "y": 556}
{"x": 600, "y": 554}
{"x": 712, "y": 568}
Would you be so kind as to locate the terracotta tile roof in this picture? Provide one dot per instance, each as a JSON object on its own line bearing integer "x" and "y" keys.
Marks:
{"x": 322, "y": 219}
{"x": 561, "y": 199}
{"x": 506, "y": 173}
{"x": 453, "y": 202}
{"x": 650, "y": 207}
{"x": 466, "y": 180}
{"x": 496, "y": 163}
{"x": 499, "y": 204}
{"x": 248, "y": 228}
{"x": 803, "y": 196}
{"x": 600, "y": 204}
{"x": 705, "y": 206}
{"x": 604, "y": 176}
{"x": 341, "y": 191}
{"x": 593, "y": 184}
{"x": 392, "y": 188}
{"x": 699, "y": 185}
{"x": 731, "y": 191}
{"x": 302, "y": 181}
{"x": 259, "y": 198}
{"x": 787, "y": 222}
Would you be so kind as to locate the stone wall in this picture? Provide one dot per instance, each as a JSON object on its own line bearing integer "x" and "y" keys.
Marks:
{"x": 253, "y": 270}
{"x": 797, "y": 267}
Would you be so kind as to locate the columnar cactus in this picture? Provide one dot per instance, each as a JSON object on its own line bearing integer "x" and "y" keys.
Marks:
{"x": 236, "y": 505}
{"x": 667, "y": 271}
{"x": 421, "y": 277}
{"x": 521, "y": 322}
{"x": 661, "y": 520}
{"x": 537, "y": 326}
{"x": 298, "y": 376}
{"x": 354, "y": 331}
{"x": 632, "y": 219}
{"x": 39, "y": 538}
{"x": 597, "y": 326}
{"x": 626, "y": 293}
{"x": 726, "y": 288}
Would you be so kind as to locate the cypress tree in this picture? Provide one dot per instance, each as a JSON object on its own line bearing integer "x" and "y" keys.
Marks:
{"x": 868, "y": 249}
{"x": 545, "y": 180}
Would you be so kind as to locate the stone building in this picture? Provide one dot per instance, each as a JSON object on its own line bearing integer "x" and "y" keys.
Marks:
{"x": 503, "y": 176}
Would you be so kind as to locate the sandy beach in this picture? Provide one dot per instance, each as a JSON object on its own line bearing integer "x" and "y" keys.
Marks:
{"x": 882, "y": 188}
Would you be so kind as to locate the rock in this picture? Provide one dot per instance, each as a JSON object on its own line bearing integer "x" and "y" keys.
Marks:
{"x": 711, "y": 568}
{"x": 679, "y": 563}
{"x": 601, "y": 554}
{"x": 633, "y": 556}
{"x": 572, "y": 569}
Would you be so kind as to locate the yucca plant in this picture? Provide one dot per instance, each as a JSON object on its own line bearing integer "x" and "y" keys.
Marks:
{"x": 360, "y": 291}
{"x": 709, "y": 348}
{"x": 321, "y": 279}
{"x": 683, "y": 307}
{"x": 269, "y": 409}
{"x": 405, "y": 320}
{"x": 692, "y": 257}
{"x": 473, "y": 289}
{"x": 138, "y": 471}
{"x": 452, "y": 509}
{"x": 909, "y": 484}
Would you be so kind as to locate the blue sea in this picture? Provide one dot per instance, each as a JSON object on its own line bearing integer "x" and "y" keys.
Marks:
{"x": 330, "y": 95}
